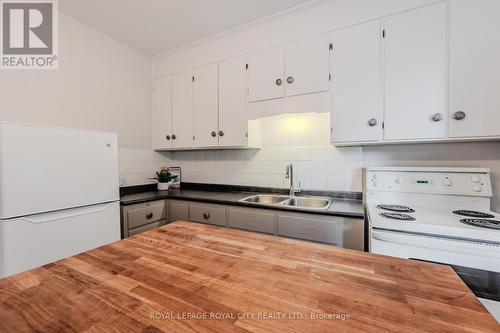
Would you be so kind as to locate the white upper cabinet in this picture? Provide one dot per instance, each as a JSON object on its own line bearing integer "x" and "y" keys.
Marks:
{"x": 357, "y": 86}
{"x": 162, "y": 113}
{"x": 307, "y": 66}
{"x": 265, "y": 74}
{"x": 416, "y": 81}
{"x": 475, "y": 68}
{"x": 298, "y": 68}
{"x": 182, "y": 110}
{"x": 205, "y": 105}
{"x": 233, "y": 102}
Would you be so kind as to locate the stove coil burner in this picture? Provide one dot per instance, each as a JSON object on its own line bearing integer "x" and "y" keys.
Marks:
{"x": 473, "y": 213}
{"x": 482, "y": 223}
{"x": 398, "y": 216}
{"x": 397, "y": 208}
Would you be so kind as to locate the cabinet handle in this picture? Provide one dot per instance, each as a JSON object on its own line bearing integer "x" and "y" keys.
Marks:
{"x": 221, "y": 133}
{"x": 168, "y": 137}
{"x": 372, "y": 122}
{"x": 290, "y": 79}
{"x": 459, "y": 115}
{"x": 206, "y": 216}
{"x": 149, "y": 215}
{"x": 214, "y": 134}
{"x": 279, "y": 82}
{"x": 437, "y": 117}
{"x": 173, "y": 136}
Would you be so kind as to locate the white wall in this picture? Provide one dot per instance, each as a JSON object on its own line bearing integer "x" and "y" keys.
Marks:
{"x": 101, "y": 84}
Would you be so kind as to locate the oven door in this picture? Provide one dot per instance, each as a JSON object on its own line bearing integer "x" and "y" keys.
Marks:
{"x": 463, "y": 252}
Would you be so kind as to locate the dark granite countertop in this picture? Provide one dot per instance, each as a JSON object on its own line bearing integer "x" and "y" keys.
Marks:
{"x": 346, "y": 204}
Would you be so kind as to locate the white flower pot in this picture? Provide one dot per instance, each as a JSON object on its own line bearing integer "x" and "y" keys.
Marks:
{"x": 163, "y": 186}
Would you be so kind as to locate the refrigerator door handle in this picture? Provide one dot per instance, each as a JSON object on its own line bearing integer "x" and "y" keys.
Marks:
{"x": 53, "y": 216}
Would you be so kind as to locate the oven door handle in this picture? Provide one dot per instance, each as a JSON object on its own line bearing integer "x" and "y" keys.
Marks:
{"x": 436, "y": 242}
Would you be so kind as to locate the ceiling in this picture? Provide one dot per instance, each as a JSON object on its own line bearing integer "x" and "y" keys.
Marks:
{"x": 156, "y": 26}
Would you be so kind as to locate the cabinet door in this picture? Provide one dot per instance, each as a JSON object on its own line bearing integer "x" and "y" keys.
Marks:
{"x": 182, "y": 110}
{"x": 475, "y": 68}
{"x": 233, "y": 102}
{"x": 162, "y": 113}
{"x": 207, "y": 213}
{"x": 252, "y": 219}
{"x": 357, "y": 114}
{"x": 416, "y": 74}
{"x": 265, "y": 74}
{"x": 307, "y": 66}
{"x": 206, "y": 106}
{"x": 178, "y": 211}
{"x": 311, "y": 228}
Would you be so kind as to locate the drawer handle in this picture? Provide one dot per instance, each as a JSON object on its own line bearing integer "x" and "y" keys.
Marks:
{"x": 206, "y": 216}
{"x": 149, "y": 215}
{"x": 459, "y": 115}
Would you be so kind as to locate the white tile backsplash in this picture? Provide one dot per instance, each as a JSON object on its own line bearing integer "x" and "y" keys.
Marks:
{"x": 315, "y": 167}
{"x": 138, "y": 165}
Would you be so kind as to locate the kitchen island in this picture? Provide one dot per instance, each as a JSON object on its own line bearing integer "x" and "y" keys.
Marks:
{"x": 188, "y": 277}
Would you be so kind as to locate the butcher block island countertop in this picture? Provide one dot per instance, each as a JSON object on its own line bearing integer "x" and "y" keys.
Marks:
{"x": 187, "y": 277}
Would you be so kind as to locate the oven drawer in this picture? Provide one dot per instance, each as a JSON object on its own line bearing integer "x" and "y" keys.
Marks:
{"x": 462, "y": 252}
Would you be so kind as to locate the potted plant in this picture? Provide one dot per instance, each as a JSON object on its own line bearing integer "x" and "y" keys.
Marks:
{"x": 164, "y": 177}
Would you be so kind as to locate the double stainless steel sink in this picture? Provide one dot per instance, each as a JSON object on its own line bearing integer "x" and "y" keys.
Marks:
{"x": 302, "y": 202}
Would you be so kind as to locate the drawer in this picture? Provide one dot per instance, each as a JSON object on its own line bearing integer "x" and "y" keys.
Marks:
{"x": 146, "y": 227}
{"x": 310, "y": 228}
{"x": 252, "y": 219}
{"x": 206, "y": 213}
{"x": 146, "y": 213}
{"x": 178, "y": 211}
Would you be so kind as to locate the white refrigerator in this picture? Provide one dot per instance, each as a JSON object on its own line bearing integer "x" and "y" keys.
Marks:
{"x": 59, "y": 194}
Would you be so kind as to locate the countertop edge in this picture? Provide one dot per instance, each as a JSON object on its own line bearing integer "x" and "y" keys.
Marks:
{"x": 169, "y": 195}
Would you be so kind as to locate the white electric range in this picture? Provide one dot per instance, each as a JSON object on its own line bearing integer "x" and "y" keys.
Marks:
{"x": 441, "y": 215}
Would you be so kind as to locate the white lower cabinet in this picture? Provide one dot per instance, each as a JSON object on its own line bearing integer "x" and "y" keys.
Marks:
{"x": 252, "y": 219}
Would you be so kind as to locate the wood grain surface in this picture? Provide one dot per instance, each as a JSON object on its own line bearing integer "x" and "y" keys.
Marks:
{"x": 187, "y": 277}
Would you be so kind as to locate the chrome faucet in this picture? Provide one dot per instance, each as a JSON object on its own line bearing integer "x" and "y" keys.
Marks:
{"x": 289, "y": 175}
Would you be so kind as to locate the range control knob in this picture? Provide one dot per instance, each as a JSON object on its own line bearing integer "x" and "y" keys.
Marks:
{"x": 376, "y": 184}
{"x": 375, "y": 176}
{"x": 477, "y": 188}
{"x": 475, "y": 179}
{"x": 398, "y": 181}
{"x": 447, "y": 182}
